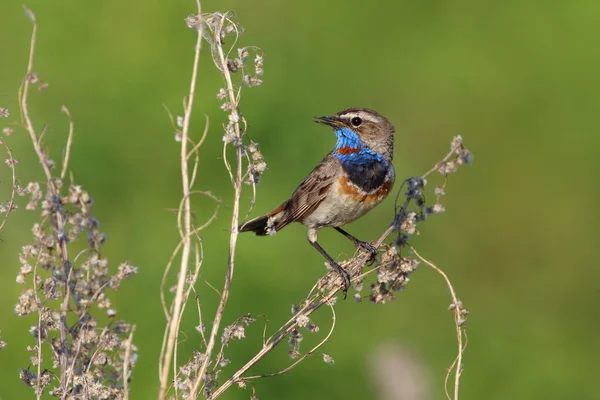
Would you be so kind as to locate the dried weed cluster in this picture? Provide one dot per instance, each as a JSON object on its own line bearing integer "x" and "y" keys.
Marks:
{"x": 68, "y": 281}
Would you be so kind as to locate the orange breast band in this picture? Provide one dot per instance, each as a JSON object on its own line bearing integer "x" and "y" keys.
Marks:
{"x": 348, "y": 189}
{"x": 348, "y": 150}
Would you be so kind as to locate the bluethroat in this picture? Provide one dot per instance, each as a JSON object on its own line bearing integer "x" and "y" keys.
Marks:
{"x": 355, "y": 177}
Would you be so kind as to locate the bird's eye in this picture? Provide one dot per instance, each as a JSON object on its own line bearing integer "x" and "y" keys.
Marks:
{"x": 356, "y": 121}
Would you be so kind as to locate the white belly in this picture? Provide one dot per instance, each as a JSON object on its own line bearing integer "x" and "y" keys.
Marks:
{"x": 346, "y": 203}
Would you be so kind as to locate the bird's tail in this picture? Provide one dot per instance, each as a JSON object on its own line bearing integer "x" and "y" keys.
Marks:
{"x": 266, "y": 224}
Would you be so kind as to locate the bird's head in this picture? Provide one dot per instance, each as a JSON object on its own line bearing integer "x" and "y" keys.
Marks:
{"x": 359, "y": 127}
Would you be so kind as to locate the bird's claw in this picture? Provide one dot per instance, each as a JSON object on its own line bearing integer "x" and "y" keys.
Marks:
{"x": 345, "y": 279}
{"x": 369, "y": 248}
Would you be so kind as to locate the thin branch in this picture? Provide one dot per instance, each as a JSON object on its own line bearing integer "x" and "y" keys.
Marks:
{"x": 199, "y": 254}
{"x": 237, "y": 185}
{"x": 11, "y": 203}
{"x": 65, "y": 164}
{"x": 24, "y": 94}
{"x": 310, "y": 352}
{"x": 38, "y": 391}
{"x": 181, "y": 212}
{"x": 194, "y": 150}
{"x": 330, "y": 284}
{"x": 126, "y": 362}
{"x": 186, "y": 248}
{"x": 200, "y": 323}
{"x": 163, "y": 284}
{"x": 459, "y": 322}
{"x": 59, "y": 222}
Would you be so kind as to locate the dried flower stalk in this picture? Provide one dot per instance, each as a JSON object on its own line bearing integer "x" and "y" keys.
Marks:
{"x": 88, "y": 360}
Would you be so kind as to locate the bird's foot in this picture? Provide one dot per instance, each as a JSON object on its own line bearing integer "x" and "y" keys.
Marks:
{"x": 345, "y": 278}
{"x": 370, "y": 248}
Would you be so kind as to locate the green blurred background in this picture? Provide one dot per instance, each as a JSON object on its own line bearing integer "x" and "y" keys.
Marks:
{"x": 519, "y": 80}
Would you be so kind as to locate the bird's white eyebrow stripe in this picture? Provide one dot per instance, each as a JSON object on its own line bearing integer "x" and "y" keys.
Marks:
{"x": 369, "y": 117}
{"x": 363, "y": 115}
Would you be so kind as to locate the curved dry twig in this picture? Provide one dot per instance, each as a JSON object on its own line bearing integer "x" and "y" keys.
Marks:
{"x": 329, "y": 285}
{"x": 173, "y": 323}
{"x": 305, "y": 355}
{"x": 65, "y": 164}
{"x": 237, "y": 186}
{"x": 13, "y": 192}
{"x": 126, "y": 362}
{"x": 60, "y": 223}
{"x": 459, "y": 321}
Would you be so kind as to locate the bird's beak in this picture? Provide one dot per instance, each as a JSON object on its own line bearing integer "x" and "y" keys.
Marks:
{"x": 334, "y": 122}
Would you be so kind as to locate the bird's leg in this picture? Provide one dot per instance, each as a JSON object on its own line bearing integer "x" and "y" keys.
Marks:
{"x": 343, "y": 274}
{"x": 359, "y": 243}
{"x": 312, "y": 239}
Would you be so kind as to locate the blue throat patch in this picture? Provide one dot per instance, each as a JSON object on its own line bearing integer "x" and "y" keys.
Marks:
{"x": 349, "y": 149}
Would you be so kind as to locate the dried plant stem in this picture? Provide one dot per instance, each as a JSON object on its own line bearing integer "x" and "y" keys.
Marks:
{"x": 58, "y": 221}
{"x": 233, "y": 236}
{"x": 63, "y": 291}
{"x": 305, "y": 355}
{"x": 437, "y": 165}
{"x": 23, "y": 96}
{"x": 460, "y": 330}
{"x": 330, "y": 285}
{"x": 174, "y": 320}
{"x": 38, "y": 391}
{"x": 13, "y": 191}
{"x": 126, "y": 361}
{"x": 63, "y": 173}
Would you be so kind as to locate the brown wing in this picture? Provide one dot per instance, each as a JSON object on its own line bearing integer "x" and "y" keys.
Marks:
{"x": 311, "y": 191}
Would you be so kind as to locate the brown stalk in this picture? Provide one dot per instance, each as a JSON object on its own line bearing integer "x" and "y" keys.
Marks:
{"x": 174, "y": 321}
{"x": 58, "y": 222}
{"x": 237, "y": 186}
{"x": 459, "y": 320}
{"x": 13, "y": 191}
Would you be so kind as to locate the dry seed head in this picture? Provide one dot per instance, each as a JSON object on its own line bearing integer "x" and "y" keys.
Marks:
{"x": 447, "y": 167}
{"x": 456, "y": 145}
{"x": 192, "y": 21}
{"x": 258, "y": 65}
{"x": 437, "y": 208}
{"x": 234, "y": 65}
{"x": 252, "y": 80}
{"x": 243, "y": 53}
{"x": 33, "y": 78}
{"x": 233, "y": 332}
{"x": 294, "y": 354}
{"x": 226, "y": 106}
{"x": 312, "y": 328}
{"x": 408, "y": 225}
{"x": 302, "y": 320}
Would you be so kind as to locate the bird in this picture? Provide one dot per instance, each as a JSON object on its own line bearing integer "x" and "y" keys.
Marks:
{"x": 352, "y": 179}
